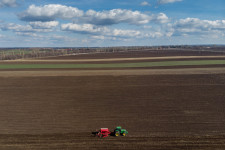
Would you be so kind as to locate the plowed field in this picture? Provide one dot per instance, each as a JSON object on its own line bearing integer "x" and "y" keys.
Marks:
{"x": 161, "y": 108}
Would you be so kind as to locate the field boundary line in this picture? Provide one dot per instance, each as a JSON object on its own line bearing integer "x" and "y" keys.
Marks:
{"x": 112, "y": 59}
{"x": 183, "y": 71}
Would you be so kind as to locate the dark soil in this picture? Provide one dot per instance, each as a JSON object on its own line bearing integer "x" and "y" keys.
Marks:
{"x": 159, "y": 111}
{"x": 71, "y": 141}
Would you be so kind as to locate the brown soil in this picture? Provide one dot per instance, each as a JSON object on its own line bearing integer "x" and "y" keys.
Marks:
{"x": 162, "y": 108}
{"x": 72, "y": 141}
{"x": 159, "y": 111}
{"x": 141, "y": 53}
{"x": 113, "y": 60}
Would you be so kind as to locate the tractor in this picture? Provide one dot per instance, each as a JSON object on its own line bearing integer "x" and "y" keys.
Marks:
{"x": 119, "y": 131}
{"x": 103, "y": 132}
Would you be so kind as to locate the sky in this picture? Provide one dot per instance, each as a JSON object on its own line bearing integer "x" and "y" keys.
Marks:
{"x": 104, "y": 23}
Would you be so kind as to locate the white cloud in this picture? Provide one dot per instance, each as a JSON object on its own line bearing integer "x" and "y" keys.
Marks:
{"x": 50, "y": 12}
{"x": 161, "y": 18}
{"x": 95, "y": 24}
{"x": 154, "y": 34}
{"x": 60, "y": 39}
{"x": 197, "y": 26}
{"x": 125, "y": 33}
{"x": 168, "y": 1}
{"x": 8, "y": 3}
{"x": 44, "y": 25}
{"x": 19, "y": 29}
{"x": 84, "y": 28}
{"x": 145, "y": 4}
{"x": 31, "y": 34}
{"x": 115, "y": 16}
{"x": 98, "y": 37}
{"x": 99, "y": 32}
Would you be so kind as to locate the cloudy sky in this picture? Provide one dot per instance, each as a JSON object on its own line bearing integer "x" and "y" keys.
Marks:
{"x": 90, "y": 23}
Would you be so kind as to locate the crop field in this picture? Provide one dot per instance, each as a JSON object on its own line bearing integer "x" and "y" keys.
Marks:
{"x": 165, "y": 100}
{"x": 114, "y": 65}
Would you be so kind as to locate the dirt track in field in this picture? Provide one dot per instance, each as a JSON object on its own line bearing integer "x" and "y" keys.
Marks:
{"x": 163, "y": 109}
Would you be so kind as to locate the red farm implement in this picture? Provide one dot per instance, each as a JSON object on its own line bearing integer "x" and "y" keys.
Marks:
{"x": 103, "y": 132}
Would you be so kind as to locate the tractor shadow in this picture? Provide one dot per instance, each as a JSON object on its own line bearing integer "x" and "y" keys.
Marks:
{"x": 112, "y": 134}
{"x": 94, "y": 133}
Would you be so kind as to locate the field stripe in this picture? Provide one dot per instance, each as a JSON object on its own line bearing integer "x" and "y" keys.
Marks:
{"x": 113, "y": 72}
{"x": 113, "y": 59}
{"x": 113, "y": 65}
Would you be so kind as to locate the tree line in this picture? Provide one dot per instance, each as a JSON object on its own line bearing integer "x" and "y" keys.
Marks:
{"x": 12, "y": 54}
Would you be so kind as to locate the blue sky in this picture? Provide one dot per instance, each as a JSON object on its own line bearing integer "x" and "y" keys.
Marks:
{"x": 90, "y": 23}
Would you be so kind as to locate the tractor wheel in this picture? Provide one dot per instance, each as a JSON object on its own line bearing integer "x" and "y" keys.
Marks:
{"x": 99, "y": 135}
{"x": 124, "y": 134}
{"x": 117, "y": 133}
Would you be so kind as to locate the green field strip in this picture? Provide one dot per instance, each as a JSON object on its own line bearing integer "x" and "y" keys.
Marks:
{"x": 113, "y": 65}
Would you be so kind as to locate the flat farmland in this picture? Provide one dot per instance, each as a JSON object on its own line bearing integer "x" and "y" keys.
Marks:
{"x": 162, "y": 108}
{"x": 142, "y": 53}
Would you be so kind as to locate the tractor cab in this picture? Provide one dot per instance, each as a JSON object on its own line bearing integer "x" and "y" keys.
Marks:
{"x": 119, "y": 131}
{"x": 118, "y": 128}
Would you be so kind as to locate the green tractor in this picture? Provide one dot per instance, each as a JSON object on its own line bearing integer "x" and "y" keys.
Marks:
{"x": 119, "y": 131}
